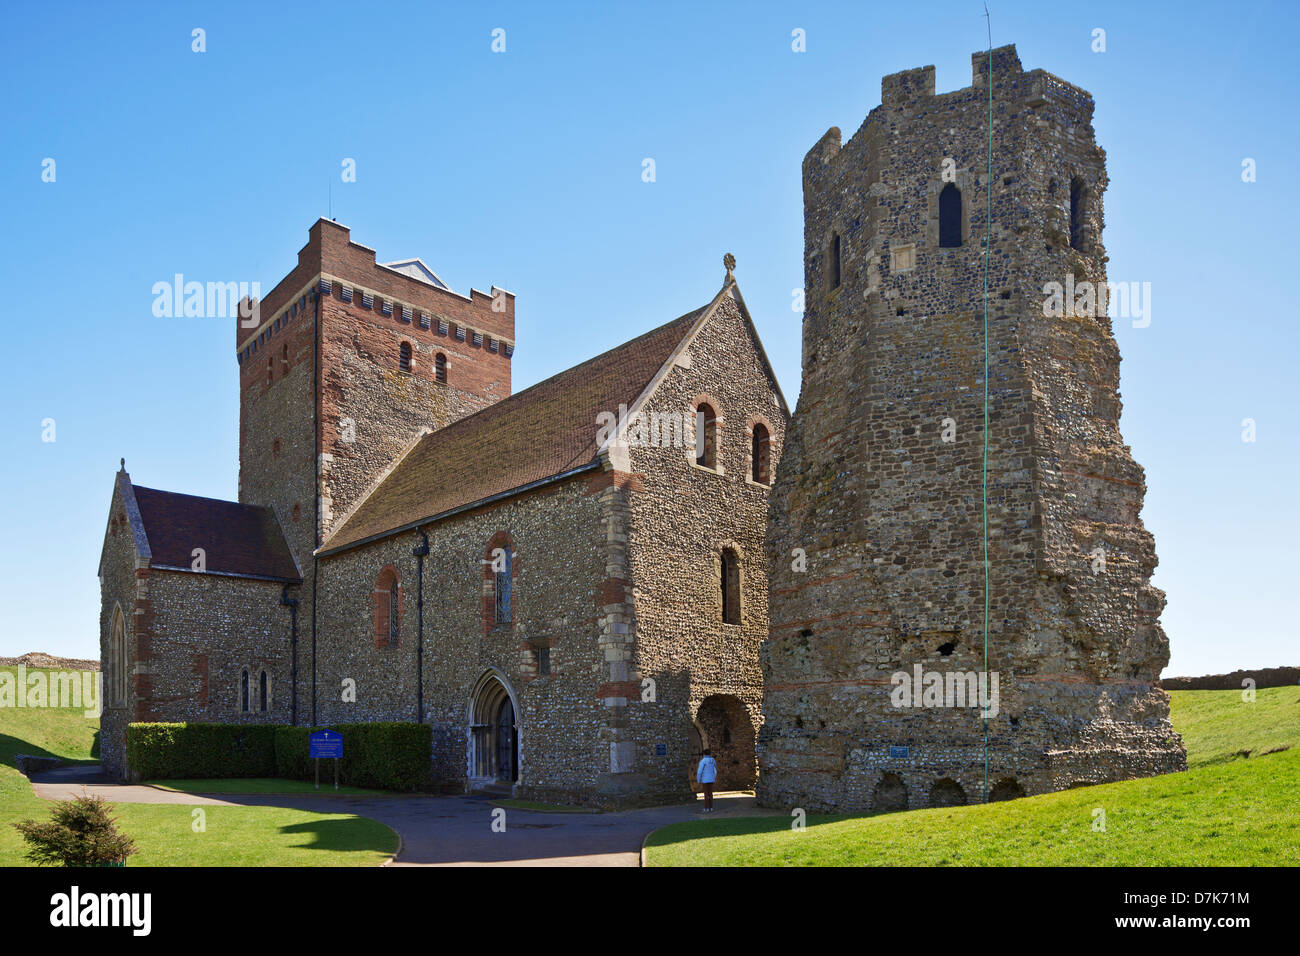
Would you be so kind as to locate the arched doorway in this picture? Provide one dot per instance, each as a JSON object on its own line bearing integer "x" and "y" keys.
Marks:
{"x": 724, "y": 726}
{"x": 493, "y": 733}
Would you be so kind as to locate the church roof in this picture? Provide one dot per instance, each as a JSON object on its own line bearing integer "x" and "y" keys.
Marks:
{"x": 540, "y": 433}
{"x": 237, "y": 539}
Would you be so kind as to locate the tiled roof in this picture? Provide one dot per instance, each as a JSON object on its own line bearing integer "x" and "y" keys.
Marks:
{"x": 244, "y": 540}
{"x": 541, "y": 432}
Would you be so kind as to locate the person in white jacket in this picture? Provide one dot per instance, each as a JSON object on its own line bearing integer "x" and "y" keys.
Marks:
{"x": 706, "y": 773}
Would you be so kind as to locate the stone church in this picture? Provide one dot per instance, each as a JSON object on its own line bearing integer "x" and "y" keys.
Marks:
{"x": 568, "y": 583}
{"x": 572, "y": 584}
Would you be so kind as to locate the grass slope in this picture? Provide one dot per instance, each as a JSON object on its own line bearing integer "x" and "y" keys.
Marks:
{"x": 235, "y": 836}
{"x": 1218, "y": 726}
{"x": 1225, "y": 811}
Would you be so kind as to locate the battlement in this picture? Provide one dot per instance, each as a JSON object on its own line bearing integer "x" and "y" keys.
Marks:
{"x": 330, "y": 258}
{"x": 914, "y": 90}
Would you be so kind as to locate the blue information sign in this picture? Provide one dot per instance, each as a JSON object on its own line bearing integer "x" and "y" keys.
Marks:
{"x": 326, "y": 743}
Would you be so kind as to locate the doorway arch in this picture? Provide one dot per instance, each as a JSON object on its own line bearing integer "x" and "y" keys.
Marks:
{"x": 723, "y": 724}
{"x": 493, "y": 733}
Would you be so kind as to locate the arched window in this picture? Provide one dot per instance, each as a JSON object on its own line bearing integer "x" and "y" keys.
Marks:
{"x": 117, "y": 657}
{"x": 730, "y": 587}
{"x": 404, "y": 356}
{"x": 243, "y": 691}
{"x": 706, "y": 436}
{"x": 388, "y": 608}
{"x": 760, "y": 456}
{"x": 950, "y": 217}
{"x": 284, "y": 359}
{"x": 263, "y": 696}
{"x": 1078, "y": 202}
{"x": 440, "y": 369}
{"x": 270, "y": 369}
{"x": 834, "y": 273}
{"x": 502, "y": 586}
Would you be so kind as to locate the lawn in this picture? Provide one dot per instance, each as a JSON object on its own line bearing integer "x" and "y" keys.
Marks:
{"x": 166, "y": 835}
{"x": 1218, "y": 726}
{"x": 1227, "y": 810}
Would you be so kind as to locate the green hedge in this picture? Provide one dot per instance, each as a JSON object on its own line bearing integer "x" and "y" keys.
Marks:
{"x": 385, "y": 756}
{"x": 178, "y": 751}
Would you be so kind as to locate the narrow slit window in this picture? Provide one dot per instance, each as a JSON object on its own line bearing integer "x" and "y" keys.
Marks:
{"x": 404, "y": 357}
{"x": 706, "y": 436}
{"x": 440, "y": 369}
{"x": 950, "y": 224}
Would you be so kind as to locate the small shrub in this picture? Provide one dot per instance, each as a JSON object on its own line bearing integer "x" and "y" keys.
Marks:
{"x": 80, "y": 833}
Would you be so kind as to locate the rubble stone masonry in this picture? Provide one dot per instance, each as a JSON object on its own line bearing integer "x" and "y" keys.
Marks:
{"x": 887, "y": 507}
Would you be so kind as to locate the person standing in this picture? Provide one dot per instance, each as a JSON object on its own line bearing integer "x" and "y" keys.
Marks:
{"x": 706, "y": 773}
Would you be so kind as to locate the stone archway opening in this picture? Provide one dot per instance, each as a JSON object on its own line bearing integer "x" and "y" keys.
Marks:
{"x": 890, "y": 794}
{"x": 493, "y": 734}
{"x": 947, "y": 793}
{"x": 1008, "y": 788}
{"x": 723, "y": 724}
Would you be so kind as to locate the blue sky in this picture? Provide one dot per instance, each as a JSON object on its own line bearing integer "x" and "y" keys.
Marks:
{"x": 523, "y": 169}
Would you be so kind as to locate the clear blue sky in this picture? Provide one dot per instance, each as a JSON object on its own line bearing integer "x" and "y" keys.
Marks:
{"x": 523, "y": 169}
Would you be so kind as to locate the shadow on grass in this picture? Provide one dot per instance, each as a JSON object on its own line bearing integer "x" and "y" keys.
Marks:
{"x": 691, "y": 830}
{"x": 10, "y": 746}
{"x": 344, "y": 834}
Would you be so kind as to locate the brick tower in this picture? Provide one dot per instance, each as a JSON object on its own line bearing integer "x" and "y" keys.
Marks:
{"x": 880, "y": 485}
{"x": 348, "y": 362}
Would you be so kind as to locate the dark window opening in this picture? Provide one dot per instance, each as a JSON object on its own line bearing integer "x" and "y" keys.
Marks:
{"x": 262, "y": 692}
{"x": 706, "y": 439}
{"x": 760, "y": 456}
{"x": 730, "y": 587}
{"x": 243, "y": 692}
{"x": 835, "y": 261}
{"x": 394, "y": 616}
{"x": 440, "y": 369}
{"x": 947, "y": 649}
{"x": 950, "y": 217}
{"x": 503, "y": 586}
{"x": 404, "y": 357}
{"x": 543, "y": 660}
{"x": 1078, "y": 201}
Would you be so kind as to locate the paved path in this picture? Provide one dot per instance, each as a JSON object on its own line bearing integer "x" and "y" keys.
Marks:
{"x": 442, "y": 830}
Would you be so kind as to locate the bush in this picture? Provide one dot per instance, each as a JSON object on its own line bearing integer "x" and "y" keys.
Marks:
{"x": 80, "y": 833}
{"x": 385, "y": 756}
{"x": 181, "y": 751}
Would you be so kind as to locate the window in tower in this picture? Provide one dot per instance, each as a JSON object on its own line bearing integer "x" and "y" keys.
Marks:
{"x": 950, "y": 217}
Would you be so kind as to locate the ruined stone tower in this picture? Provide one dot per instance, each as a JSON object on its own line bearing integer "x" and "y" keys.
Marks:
{"x": 880, "y": 485}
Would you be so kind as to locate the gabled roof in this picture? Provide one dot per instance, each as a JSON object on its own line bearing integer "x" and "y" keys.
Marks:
{"x": 539, "y": 434}
{"x": 237, "y": 539}
{"x": 416, "y": 269}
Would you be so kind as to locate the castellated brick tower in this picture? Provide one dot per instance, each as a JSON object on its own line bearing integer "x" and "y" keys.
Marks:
{"x": 348, "y": 363}
{"x": 880, "y": 484}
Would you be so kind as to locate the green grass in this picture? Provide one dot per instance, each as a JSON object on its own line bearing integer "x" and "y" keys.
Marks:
{"x": 1218, "y": 726}
{"x": 164, "y": 834}
{"x": 1227, "y": 810}
{"x": 265, "y": 785}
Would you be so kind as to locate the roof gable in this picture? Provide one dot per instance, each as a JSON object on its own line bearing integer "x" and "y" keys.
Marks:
{"x": 416, "y": 269}
{"x": 539, "y": 434}
{"x": 237, "y": 539}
